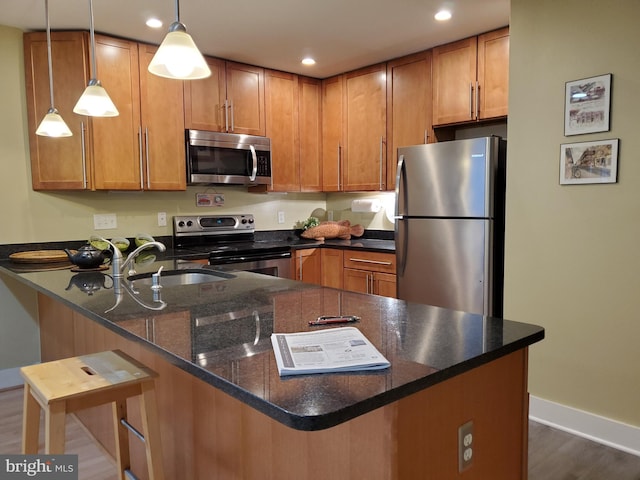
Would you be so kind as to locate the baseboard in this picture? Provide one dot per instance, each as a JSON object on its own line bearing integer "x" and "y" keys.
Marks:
{"x": 587, "y": 425}
{"x": 10, "y": 378}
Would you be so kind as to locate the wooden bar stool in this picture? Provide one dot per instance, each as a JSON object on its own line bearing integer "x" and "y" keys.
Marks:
{"x": 66, "y": 386}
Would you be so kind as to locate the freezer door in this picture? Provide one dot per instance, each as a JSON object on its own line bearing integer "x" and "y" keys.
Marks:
{"x": 445, "y": 262}
{"x": 448, "y": 179}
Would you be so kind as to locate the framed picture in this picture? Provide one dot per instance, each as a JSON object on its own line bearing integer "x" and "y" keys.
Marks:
{"x": 589, "y": 162}
{"x": 587, "y": 104}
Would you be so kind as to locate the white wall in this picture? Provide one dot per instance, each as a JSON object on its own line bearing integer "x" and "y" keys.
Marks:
{"x": 572, "y": 258}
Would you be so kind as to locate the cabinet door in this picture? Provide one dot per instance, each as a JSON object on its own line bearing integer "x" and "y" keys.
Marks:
{"x": 281, "y": 106}
{"x": 204, "y": 99}
{"x": 384, "y": 284}
{"x": 162, "y": 114}
{"x": 308, "y": 266}
{"x": 57, "y": 163}
{"x": 245, "y": 93}
{"x": 454, "y": 82}
{"x": 332, "y": 147}
{"x": 116, "y": 141}
{"x": 332, "y": 260}
{"x": 493, "y": 74}
{"x": 356, "y": 280}
{"x": 365, "y": 129}
{"x": 410, "y": 107}
{"x": 310, "y": 128}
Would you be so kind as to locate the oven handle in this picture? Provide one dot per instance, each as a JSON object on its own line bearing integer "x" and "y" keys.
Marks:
{"x": 249, "y": 258}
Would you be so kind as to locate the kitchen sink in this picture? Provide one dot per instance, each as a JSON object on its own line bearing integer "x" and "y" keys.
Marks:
{"x": 175, "y": 278}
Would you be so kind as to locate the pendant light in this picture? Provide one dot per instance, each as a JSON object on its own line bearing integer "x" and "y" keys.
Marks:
{"x": 178, "y": 57}
{"x": 52, "y": 124}
{"x": 95, "y": 101}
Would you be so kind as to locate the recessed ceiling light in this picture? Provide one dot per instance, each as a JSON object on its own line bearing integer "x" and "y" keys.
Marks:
{"x": 442, "y": 15}
{"x": 154, "y": 23}
{"x": 308, "y": 61}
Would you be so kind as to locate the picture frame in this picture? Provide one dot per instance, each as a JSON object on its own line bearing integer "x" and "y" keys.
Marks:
{"x": 587, "y": 105}
{"x": 589, "y": 162}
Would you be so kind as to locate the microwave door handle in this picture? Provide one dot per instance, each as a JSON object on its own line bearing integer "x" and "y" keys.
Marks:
{"x": 254, "y": 170}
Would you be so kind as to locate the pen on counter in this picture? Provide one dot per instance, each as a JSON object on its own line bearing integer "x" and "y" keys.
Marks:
{"x": 330, "y": 319}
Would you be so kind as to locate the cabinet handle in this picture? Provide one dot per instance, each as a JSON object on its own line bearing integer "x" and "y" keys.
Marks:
{"x": 146, "y": 146}
{"x": 477, "y": 101}
{"x": 376, "y": 262}
{"x": 84, "y": 156}
{"x": 339, "y": 165}
{"x": 381, "y": 159}
{"x": 369, "y": 283}
{"x": 140, "y": 158}
{"x": 226, "y": 116}
{"x": 471, "y": 100}
{"x": 233, "y": 126}
{"x": 426, "y": 137}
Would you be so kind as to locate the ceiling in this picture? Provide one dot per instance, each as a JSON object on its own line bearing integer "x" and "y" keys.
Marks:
{"x": 341, "y": 35}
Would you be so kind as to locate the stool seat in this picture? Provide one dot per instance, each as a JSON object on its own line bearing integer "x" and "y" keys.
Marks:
{"x": 71, "y": 384}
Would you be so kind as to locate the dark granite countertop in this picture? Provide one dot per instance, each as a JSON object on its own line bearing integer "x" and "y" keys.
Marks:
{"x": 222, "y": 336}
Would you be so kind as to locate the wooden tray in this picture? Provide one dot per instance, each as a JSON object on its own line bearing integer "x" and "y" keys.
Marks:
{"x": 40, "y": 256}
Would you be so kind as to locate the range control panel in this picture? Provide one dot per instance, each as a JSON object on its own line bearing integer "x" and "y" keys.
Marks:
{"x": 203, "y": 225}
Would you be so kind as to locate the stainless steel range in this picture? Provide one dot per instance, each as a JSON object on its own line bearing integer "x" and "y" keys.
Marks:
{"x": 229, "y": 241}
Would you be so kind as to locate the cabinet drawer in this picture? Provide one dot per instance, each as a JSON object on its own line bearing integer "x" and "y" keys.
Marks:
{"x": 371, "y": 261}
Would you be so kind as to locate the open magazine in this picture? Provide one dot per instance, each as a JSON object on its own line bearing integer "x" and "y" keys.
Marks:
{"x": 343, "y": 349}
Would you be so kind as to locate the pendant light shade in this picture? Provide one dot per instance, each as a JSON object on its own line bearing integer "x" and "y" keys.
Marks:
{"x": 178, "y": 57}
{"x": 52, "y": 124}
{"x": 95, "y": 101}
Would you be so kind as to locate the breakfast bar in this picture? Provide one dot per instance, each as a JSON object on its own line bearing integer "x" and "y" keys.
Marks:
{"x": 225, "y": 412}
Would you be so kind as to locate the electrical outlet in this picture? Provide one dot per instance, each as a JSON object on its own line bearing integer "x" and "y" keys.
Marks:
{"x": 330, "y": 215}
{"x": 105, "y": 221}
{"x": 280, "y": 217}
{"x": 162, "y": 219}
{"x": 465, "y": 446}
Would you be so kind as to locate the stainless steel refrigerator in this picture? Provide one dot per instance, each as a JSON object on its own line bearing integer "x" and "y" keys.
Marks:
{"x": 449, "y": 225}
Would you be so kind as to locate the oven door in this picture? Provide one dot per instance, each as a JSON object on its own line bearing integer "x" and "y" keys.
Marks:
{"x": 274, "y": 264}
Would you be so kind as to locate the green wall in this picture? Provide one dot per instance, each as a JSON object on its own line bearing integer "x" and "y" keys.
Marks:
{"x": 572, "y": 257}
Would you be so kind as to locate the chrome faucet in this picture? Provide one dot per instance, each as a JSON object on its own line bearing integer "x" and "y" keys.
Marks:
{"x": 119, "y": 265}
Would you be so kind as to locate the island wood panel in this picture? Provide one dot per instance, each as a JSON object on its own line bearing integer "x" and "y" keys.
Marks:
{"x": 207, "y": 434}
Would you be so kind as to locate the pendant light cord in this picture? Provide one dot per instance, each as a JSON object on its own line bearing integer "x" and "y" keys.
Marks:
{"x": 178, "y": 11}
{"x": 46, "y": 8}
{"x": 93, "y": 42}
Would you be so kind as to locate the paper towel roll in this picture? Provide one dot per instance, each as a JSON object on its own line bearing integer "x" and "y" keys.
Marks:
{"x": 364, "y": 205}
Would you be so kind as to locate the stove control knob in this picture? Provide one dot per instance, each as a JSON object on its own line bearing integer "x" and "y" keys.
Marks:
{"x": 244, "y": 220}
{"x": 251, "y": 220}
{"x": 189, "y": 223}
{"x": 181, "y": 223}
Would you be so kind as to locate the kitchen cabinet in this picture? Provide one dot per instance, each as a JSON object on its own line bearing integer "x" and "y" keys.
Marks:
{"x": 370, "y": 272}
{"x": 140, "y": 149}
{"x": 307, "y": 265}
{"x": 331, "y": 261}
{"x": 354, "y": 130}
{"x": 292, "y": 107}
{"x": 471, "y": 79}
{"x": 230, "y": 100}
{"x": 57, "y": 163}
{"x": 409, "y": 106}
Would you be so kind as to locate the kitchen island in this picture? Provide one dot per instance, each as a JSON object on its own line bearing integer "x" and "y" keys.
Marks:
{"x": 226, "y": 413}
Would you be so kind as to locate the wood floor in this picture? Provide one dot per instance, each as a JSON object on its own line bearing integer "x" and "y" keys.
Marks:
{"x": 553, "y": 454}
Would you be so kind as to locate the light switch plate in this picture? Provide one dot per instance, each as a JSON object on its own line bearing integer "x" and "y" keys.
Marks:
{"x": 105, "y": 221}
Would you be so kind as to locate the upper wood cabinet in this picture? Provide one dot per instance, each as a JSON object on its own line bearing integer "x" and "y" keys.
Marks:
{"x": 57, "y": 163}
{"x": 409, "y": 107}
{"x": 230, "y": 100}
{"x": 292, "y": 106}
{"x": 310, "y": 128}
{"x": 140, "y": 149}
{"x": 471, "y": 79}
{"x": 354, "y": 130}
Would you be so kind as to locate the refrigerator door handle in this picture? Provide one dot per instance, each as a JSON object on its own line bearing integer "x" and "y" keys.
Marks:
{"x": 400, "y": 236}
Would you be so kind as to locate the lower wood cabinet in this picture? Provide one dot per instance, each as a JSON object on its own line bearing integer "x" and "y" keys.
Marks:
{"x": 351, "y": 270}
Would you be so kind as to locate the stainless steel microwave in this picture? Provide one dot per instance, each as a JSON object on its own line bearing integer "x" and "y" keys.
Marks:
{"x": 227, "y": 158}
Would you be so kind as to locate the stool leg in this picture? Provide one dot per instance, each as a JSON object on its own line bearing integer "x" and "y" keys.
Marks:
{"x": 30, "y": 422}
{"x": 123, "y": 459}
{"x": 153, "y": 446}
{"x": 54, "y": 422}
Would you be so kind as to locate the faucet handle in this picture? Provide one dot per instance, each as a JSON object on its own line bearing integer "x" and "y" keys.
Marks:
{"x": 155, "y": 279}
